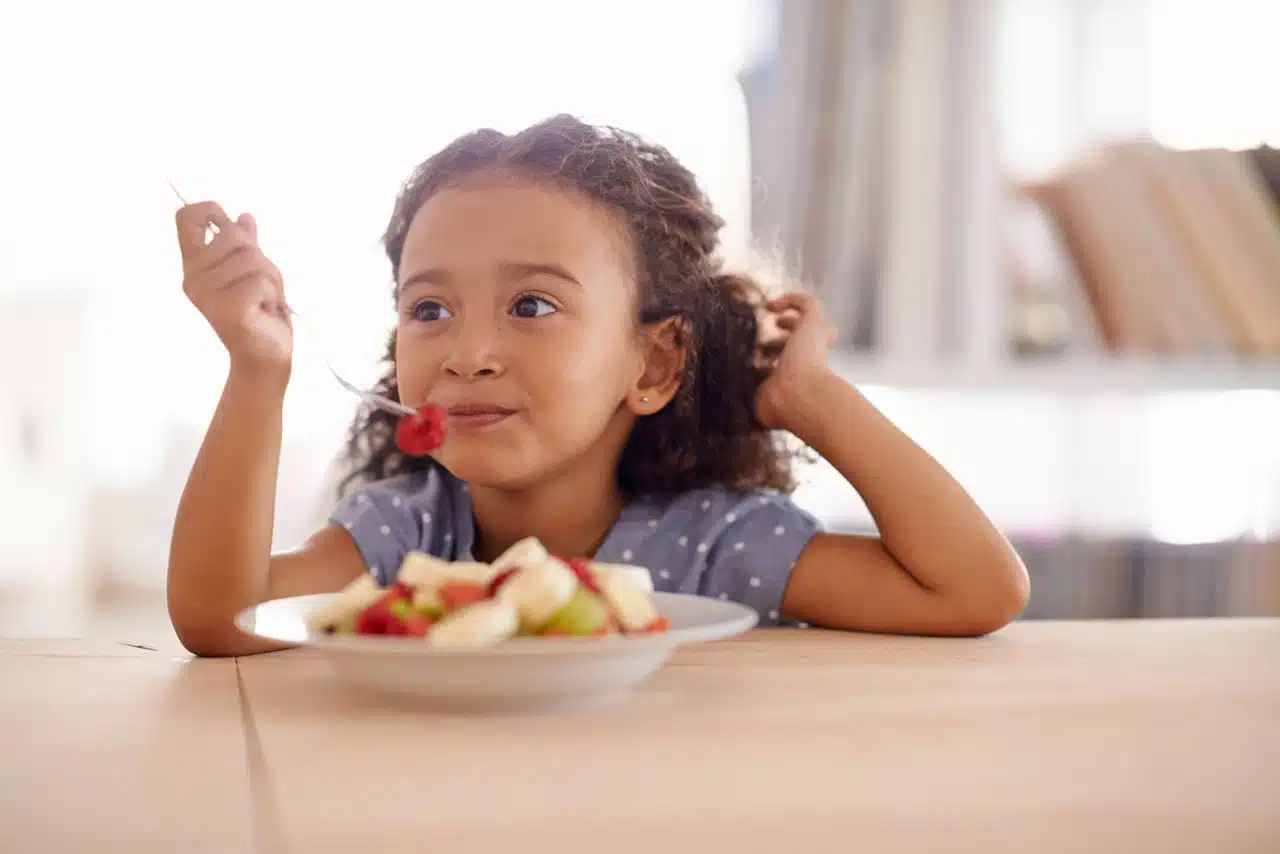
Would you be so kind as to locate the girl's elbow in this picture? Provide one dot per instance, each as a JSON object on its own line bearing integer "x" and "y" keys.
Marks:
{"x": 206, "y": 637}
{"x": 1003, "y": 603}
{"x": 201, "y": 641}
{"x": 1018, "y": 589}
{"x": 200, "y": 635}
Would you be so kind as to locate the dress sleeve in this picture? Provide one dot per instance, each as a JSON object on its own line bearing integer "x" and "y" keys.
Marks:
{"x": 382, "y": 521}
{"x": 756, "y": 549}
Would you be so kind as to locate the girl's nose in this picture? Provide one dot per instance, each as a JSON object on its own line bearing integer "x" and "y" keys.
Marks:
{"x": 474, "y": 353}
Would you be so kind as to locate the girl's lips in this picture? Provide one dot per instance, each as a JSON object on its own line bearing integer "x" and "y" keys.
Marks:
{"x": 477, "y": 415}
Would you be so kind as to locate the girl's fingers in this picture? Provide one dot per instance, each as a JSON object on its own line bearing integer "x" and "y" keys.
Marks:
{"x": 254, "y": 262}
{"x": 276, "y": 282}
{"x": 247, "y": 262}
{"x": 794, "y": 301}
{"x": 222, "y": 248}
{"x": 250, "y": 292}
{"x": 792, "y": 310}
{"x": 774, "y": 343}
{"x": 192, "y": 222}
{"x": 249, "y": 225}
{"x": 788, "y": 321}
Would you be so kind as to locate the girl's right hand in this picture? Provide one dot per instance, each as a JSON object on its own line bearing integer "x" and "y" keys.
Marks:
{"x": 238, "y": 290}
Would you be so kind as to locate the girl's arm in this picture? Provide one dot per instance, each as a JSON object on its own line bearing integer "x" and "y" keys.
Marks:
{"x": 220, "y": 558}
{"x": 939, "y": 566}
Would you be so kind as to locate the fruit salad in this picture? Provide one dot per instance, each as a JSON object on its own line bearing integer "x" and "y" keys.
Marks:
{"x": 525, "y": 592}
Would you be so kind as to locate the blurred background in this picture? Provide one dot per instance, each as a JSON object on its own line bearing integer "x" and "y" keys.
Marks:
{"x": 1050, "y": 230}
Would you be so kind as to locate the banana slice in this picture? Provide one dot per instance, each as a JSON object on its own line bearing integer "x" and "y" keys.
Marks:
{"x": 476, "y": 626}
{"x": 527, "y": 552}
{"x": 630, "y": 603}
{"x": 423, "y": 570}
{"x": 539, "y": 590}
{"x": 637, "y": 575}
{"x": 352, "y": 599}
{"x": 478, "y": 573}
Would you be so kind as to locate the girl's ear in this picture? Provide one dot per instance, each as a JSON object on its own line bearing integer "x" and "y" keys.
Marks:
{"x": 662, "y": 367}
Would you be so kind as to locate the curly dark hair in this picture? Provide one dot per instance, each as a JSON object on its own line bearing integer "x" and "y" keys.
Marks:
{"x": 707, "y": 435}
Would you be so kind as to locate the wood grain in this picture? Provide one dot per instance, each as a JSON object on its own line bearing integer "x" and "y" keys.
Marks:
{"x": 1121, "y": 736}
{"x": 139, "y": 752}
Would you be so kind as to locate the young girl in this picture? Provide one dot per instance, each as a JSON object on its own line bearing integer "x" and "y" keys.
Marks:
{"x": 609, "y": 391}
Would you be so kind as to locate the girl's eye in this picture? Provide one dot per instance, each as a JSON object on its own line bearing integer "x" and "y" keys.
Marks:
{"x": 427, "y": 310}
{"x": 530, "y": 306}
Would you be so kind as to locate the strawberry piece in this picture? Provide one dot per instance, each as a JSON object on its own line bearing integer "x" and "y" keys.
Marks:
{"x": 400, "y": 590}
{"x": 495, "y": 583}
{"x": 373, "y": 620}
{"x": 404, "y": 620}
{"x": 460, "y": 594}
{"x": 415, "y": 625}
{"x": 582, "y": 568}
{"x": 659, "y": 624}
{"x": 421, "y": 433}
{"x": 382, "y": 616}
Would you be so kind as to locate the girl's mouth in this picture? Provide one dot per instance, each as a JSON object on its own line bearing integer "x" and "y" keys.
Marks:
{"x": 473, "y": 415}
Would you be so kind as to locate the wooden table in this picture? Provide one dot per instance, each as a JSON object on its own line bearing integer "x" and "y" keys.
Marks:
{"x": 108, "y": 747}
{"x": 1130, "y": 737}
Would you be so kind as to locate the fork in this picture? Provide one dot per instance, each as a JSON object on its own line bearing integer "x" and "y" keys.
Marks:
{"x": 384, "y": 403}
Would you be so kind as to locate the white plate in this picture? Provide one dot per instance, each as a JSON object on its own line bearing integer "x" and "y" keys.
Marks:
{"x": 521, "y": 674}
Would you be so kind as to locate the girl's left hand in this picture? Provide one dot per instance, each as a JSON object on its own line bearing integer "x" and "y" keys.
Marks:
{"x": 801, "y": 347}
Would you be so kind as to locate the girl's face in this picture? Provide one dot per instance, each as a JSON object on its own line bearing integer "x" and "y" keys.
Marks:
{"x": 516, "y": 314}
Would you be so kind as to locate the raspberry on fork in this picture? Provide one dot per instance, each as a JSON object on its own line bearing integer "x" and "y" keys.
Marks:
{"x": 421, "y": 433}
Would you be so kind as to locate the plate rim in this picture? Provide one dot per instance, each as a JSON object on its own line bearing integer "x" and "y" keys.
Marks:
{"x": 731, "y": 625}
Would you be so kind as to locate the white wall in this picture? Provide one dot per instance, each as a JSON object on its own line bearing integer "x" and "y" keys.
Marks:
{"x": 44, "y": 414}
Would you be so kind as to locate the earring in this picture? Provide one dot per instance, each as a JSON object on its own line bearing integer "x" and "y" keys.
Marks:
{"x": 644, "y": 398}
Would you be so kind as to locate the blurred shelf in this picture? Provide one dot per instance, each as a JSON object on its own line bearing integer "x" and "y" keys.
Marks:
{"x": 1073, "y": 375}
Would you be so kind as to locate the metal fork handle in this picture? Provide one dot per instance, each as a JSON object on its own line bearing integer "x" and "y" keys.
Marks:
{"x": 384, "y": 403}
{"x": 369, "y": 397}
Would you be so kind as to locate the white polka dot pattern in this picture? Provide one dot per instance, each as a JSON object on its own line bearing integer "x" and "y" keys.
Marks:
{"x": 738, "y": 546}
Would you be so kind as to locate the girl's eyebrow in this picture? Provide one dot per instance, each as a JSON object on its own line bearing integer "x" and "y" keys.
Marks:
{"x": 434, "y": 276}
{"x": 508, "y": 270}
{"x": 516, "y": 270}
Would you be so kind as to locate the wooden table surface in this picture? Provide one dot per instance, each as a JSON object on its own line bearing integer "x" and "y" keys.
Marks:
{"x": 1138, "y": 736}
